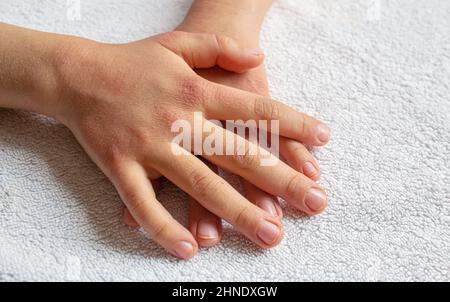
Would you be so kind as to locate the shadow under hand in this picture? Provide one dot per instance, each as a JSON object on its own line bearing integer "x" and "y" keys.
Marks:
{"x": 87, "y": 192}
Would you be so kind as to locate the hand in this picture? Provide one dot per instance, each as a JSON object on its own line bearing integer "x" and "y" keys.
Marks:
{"x": 294, "y": 152}
{"x": 121, "y": 101}
{"x": 214, "y": 17}
{"x": 204, "y": 225}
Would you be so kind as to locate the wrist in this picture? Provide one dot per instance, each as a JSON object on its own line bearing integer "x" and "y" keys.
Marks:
{"x": 26, "y": 80}
{"x": 76, "y": 65}
{"x": 39, "y": 70}
{"x": 47, "y": 94}
{"x": 58, "y": 61}
{"x": 32, "y": 69}
{"x": 241, "y": 21}
{"x": 248, "y": 38}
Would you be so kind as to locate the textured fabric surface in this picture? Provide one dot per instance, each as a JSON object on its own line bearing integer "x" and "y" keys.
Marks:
{"x": 377, "y": 71}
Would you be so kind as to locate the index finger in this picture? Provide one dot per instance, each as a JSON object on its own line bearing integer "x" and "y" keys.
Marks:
{"x": 227, "y": 103}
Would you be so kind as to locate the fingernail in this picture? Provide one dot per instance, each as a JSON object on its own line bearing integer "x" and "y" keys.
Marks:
{"x": 207, "y": 230}
{"x": 309, "y": 169}
{"x": 315, "y": 199}
{"x": 184, "y": 249}
{"x": 323, "y": 133}
{"x": 268, "y": 206}
{"x": 268, "y": 232}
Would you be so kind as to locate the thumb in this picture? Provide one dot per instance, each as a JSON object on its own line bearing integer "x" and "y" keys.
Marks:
{"x": 208, "y": 50}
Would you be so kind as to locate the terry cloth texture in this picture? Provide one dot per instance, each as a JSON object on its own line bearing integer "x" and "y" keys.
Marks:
{"x": 377, "y": 72}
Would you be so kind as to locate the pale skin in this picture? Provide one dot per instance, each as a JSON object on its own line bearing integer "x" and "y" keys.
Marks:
{"x": 120, "y": 101}
{"x": 228, "y": 18}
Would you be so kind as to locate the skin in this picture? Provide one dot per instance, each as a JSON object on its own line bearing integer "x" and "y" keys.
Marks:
{"x": 142, "y": 88}
{"x": 215, "y": 16}
{"x": 228, "y": 17}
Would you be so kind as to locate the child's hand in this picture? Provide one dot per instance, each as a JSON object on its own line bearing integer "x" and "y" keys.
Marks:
{"x": 120, "y": 102}
{"x": 236, "y": 20}
{"x": 294, "y": 152}
{"x": 204, "y": 225}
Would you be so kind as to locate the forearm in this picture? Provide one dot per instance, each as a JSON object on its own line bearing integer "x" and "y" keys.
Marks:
{"x": 29, "y": 74}
{"x": 27, "y": 71}
{"x": 241, "y": 20}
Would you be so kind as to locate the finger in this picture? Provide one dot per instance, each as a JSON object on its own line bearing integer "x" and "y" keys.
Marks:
{"x": 201, "y": 50}
{"x": 139, "y": 197}
{"x": 204, "y": 225}
{"x": 229, "y": 103}
{"x": 254, "y": 80}
{"x": 267, "y": 172}
{"x": 127, "y": 218}
{"x": 298, "y": 157}
{"x": 219, "y": 197}
{"x": 264, "y": 200}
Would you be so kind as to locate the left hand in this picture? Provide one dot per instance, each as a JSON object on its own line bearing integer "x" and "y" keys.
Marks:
{"x": 204, "y": 225}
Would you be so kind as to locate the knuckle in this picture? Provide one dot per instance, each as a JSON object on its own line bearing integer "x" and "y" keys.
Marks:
{"x": 168, "y": 117}
{"x": 134, "y": 201}
{"x": 256, "y": 85}
{"x": 223, "y": 41}
{"x": 141, "y": 136}
{"x": 266, "y": 109}
{"x": 224, "y": 96}
{"x": 295, "y": 150}
{"x": 159, "y": 232}
{"x": 172, "y": 36}
{"x": 202, "y": 183}
{"x": 293, "y": 186}
{"x": 112, "y": 156}
{"x": 242, "y": 217}
{"x": 208, "y": 37}
{"x": 192, "y": 92}
{"x": 298, "y": 150}
{"x": 246, "y": 160}
{"x": 303, "y": 127}
{"x": 109, "y": 156}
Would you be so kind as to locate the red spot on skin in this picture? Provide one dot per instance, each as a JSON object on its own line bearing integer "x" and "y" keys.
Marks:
{"x": 192, "y": 93}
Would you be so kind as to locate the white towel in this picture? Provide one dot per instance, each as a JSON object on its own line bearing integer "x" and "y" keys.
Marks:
{"x": 377, "y": 71}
